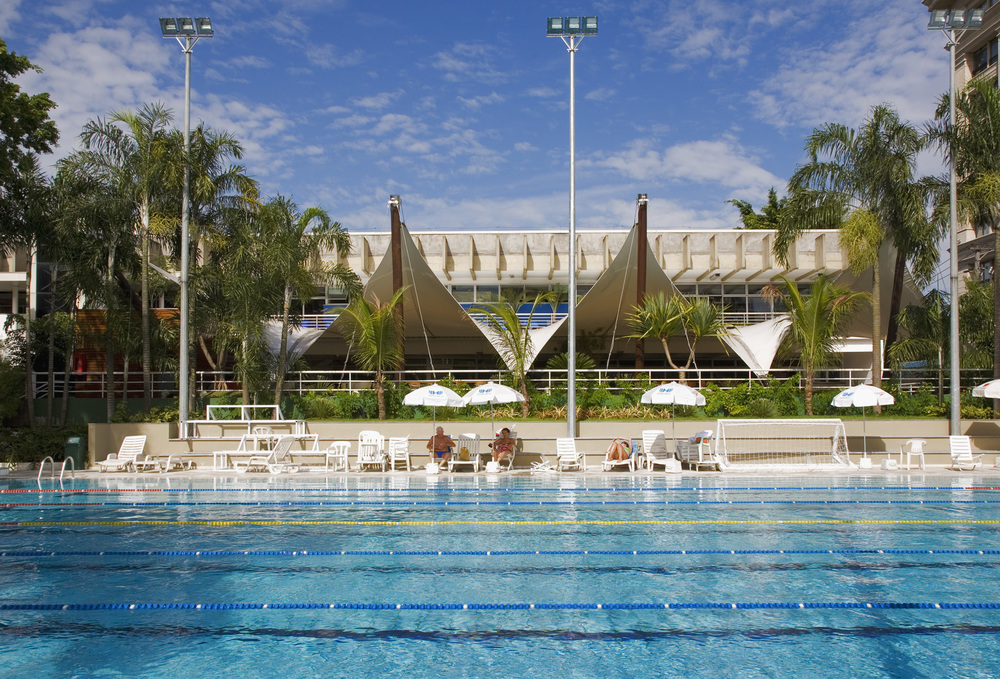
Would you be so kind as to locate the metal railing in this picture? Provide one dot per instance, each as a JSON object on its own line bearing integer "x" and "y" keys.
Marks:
{"x": 93, "y": 385}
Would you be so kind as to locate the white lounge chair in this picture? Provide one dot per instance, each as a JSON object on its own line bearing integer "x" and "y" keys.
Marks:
{"x": 337, "y": 453}
{"x": 277, "y": 461}
{"x": 507, "y": 463}
{"x": 566, "y": 455}
{"x": 371, "y": 450}
{"x": 469, "y": 443}
{"x": 609, "y": 464}
{"x": 962, "y": 458}
{"x": 914, "y": 448}
{"x": 654, "y": 451}
{"x": 398, "y": 452}
{"x": 128, "y": 453}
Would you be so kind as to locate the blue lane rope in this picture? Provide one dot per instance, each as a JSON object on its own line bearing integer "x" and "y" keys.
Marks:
{"x": 508, "y": 489}
{"x": 501, "y": 552}
{"x": 680, "y": 605}
{"x": 488, "y": 503}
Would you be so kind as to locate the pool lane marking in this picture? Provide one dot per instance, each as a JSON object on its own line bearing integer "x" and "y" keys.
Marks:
{"x": 495, "y": 552}
{"x": 502, "y": 503}
{"x": 479, "y": 606}
{"x": 648, "y": 522}
{"x": 546, "y": 489}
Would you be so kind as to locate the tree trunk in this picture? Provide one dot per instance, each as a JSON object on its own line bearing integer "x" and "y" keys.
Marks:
{"x": 68, "y": 370}
{"x": 380, "y": 393}
{"x": 109, "y": 354}
{"x": 876, "y": 328}
{"x": 29, "y": 377}
{"x": 147, "y": 361}
{"x": 50, "y": 401}
{"x": 898, "y": 275}
{"x": 809, "y": 392}
{"x": 279, "y": 385}
{"x": 244, "y": 383}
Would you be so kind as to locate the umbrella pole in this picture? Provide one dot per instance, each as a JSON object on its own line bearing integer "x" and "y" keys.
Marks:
{"x": 864, "y": 430}
{"x": 673, "y": 424}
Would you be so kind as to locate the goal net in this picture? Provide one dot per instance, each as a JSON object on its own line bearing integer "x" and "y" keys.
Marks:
{"x": 753, "y": 444}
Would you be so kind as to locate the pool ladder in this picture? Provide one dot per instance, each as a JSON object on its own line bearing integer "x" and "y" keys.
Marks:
{"x": 62, "y": 472}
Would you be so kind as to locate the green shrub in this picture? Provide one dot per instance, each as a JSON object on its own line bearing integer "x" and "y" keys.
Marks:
{"x": 32, "y": 445}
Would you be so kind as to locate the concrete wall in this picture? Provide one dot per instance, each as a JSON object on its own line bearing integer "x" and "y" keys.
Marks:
{"x": 884, "y": 436}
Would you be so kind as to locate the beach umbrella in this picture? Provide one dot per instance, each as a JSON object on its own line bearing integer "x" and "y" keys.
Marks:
{"x": 863, "y": 396}
{"x": 675, "y": 394}
{"x": 491, "y": 393}
{"x": 989, "y": 389}
{"x": 433, "y": 395}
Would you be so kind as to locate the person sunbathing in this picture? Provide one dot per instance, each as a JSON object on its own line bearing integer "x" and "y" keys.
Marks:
{"x": 619, "y": 450}
{"x": 441, "y": 446}
{"x": 502, "y": 445}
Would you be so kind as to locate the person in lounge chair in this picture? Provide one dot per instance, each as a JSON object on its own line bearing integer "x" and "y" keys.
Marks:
{"x": 502, "y": 445}
{"x": 440, "y": 447}
{"x": 619, "y": 450}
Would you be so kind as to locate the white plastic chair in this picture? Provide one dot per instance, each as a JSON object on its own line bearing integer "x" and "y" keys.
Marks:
{"x": 608, "y": 464}
{"x": 398, "y": 450}
{"x": 962, "y": 458}
{"x": 469, "y": 443}
{"x": 914, "y": 448}
{"x": 566, "y": 455}
{"x": 371, "y": 449}
{"x": 336, "y": 452}
{"x": 654, "y": 451}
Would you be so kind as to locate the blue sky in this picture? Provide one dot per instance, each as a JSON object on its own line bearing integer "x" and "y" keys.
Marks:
{"x": 463, "y": 108}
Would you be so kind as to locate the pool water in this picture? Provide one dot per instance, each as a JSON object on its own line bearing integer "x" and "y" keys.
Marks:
{"x": 611, "y": 576}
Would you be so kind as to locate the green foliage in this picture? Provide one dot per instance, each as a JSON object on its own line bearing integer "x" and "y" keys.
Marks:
{"x": 158, "y": 414}
{"x": 32, "y": 445}
{"x": 769, "y": 215}
{"x": 744, "y": 399}
{"x": 11, "y": 390}
{"x": 976, "y": 325}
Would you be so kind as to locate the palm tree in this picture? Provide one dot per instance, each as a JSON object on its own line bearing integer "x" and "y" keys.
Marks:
{"x": 512, "y": 337}
{"x": 976, "y": 143}
{"x": 129, "y": 149}
{"x": 374, "y": 333}
{"x": 817, "y": 322}
{"x": 663, "y": 317}
{"x": 927, "y": 335}
{"x": 658, "y": 317}
{"x": 295, "y": 243}
{"x": 870, "y": 170}
{"x": 219, "y": 188}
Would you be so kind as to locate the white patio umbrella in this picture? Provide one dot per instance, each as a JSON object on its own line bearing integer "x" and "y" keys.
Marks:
{"x": 676, "y": 394}
{"x": 863, "y": 396}
{"x": 491, "y": 393}
{"x": 433, "y": 395}
{"x": 989, "y": 389}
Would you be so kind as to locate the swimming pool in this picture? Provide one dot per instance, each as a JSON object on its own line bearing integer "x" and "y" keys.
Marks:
{"x": 615, "y": 576}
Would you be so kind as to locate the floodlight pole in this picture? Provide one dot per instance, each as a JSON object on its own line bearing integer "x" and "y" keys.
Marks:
{"x": 955, "y": 368}
{"x": 952, "y": 23}
{"x": 186, "y": 42}
{"x": 572, "y": 41}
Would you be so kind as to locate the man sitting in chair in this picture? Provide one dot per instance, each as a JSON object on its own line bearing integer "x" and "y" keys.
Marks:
{"x": 503, "y": 445}
{"x": 441, "y": 446}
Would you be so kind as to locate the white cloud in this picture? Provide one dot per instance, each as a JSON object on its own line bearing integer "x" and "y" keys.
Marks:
{"x": 601, "y": 94}
{"x": 480, "y": 101}
{"x": 469, "y": 61}
{"x": 9, "y": 15}
{"x": 895, "y": 61}
{"x": 378, "y": 101}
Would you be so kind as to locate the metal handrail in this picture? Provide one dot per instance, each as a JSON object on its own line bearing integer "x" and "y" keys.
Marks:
{"x": 41, "y": 468}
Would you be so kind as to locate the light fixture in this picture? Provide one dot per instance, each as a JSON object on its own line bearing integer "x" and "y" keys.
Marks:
{"x": 187, "y": 31}
{"x": 572, "y": 31}
{"x": 952, "y": 22}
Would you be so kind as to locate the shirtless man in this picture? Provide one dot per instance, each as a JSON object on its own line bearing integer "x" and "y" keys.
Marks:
{"x": 440, "y": 447}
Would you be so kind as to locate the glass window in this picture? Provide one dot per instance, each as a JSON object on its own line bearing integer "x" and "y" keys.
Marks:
{"x": 463, "y": 293}
{"x": 6, "y": 302}
{"x": 487, "y": 293}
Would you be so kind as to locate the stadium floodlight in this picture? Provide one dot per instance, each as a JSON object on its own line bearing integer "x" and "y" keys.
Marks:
{"x": 572, "y": 31}
{"x": 953, "y": 22}
{"x": 187, "y": 31}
